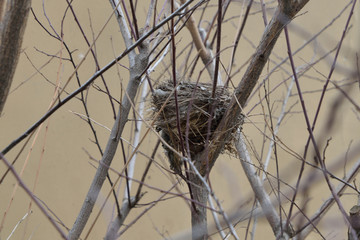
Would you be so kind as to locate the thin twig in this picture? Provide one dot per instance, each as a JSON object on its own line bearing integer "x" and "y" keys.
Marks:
{"x": 258, "y": 188}
{"x": 199, "y": 44}
{"x": 316, "y": 148}
{"x": 140, "y": 63}
{"x": 34, "y": 199}
{"x": 281, "y": 18}
{"x": 236, "y": 41}
{"x": 206, "y": 185}
{"x": 325, "y": 207}
{"x": 91, "y": 79}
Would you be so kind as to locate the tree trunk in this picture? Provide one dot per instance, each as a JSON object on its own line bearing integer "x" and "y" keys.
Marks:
{"x": 13, "y": 18}
{"x": 198, "y": 215}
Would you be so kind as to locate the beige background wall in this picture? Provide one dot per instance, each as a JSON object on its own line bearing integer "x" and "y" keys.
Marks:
{"x": 61, "y": 176}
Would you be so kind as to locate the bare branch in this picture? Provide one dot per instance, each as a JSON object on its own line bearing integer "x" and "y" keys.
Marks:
{"x": 33, "y": 198}
{"x": 237, "y": 39}
{"x": 12, "y": 26}
{"x": 203, "y": 52}
{"x": 91, "y": 79}
{"x": 284, "y": 185}
{"x": 258, "y": 188}
{"x": 123, "y": 28}
{"x": 119, "y": 220}
{"x": 283, "y": 15}
{"x": 201, "y": 192}
{"x": 325, "y": 207}
{"x": 139, "y": 67}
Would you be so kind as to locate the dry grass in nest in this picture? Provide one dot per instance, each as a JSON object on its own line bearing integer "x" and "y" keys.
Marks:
{"x": 194, "y": 103}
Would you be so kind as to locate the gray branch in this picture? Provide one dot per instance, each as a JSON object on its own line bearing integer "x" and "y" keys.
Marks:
{"x": 112, "y": 233}
{"x": 13, "y": 20}
{"x": 284, "y": 13}
{"x": 280, "y": 231}
{"x": 141, "y": 61}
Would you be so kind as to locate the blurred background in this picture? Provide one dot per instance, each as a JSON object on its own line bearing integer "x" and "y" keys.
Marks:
{"x": 59, "y": 161}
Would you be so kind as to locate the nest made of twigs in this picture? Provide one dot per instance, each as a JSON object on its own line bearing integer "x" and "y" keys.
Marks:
{"x": 194, "y": 102}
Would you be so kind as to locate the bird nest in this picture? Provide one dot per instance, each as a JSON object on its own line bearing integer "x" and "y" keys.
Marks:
{"x": 194, "y": 104}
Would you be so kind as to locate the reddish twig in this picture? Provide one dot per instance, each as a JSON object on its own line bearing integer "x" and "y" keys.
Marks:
{"x": 90, "y": 80}
{"x": 33, "y": 198}
{"x": 312, "y": 127}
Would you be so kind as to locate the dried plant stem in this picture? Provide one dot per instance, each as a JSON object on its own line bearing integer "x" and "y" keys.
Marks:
{"x": 18, "y": 224}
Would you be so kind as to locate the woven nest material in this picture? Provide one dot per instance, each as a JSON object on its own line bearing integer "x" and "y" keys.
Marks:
{"x": 195, "y": 104}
